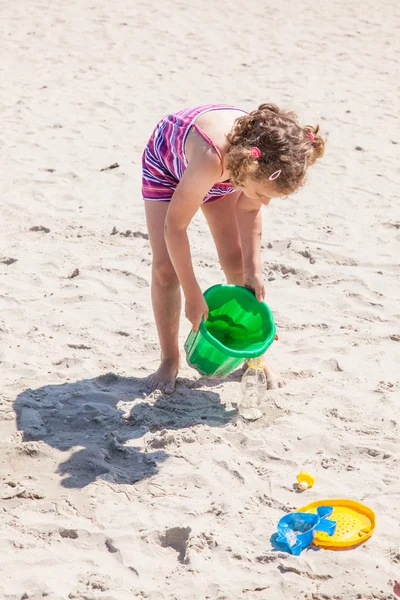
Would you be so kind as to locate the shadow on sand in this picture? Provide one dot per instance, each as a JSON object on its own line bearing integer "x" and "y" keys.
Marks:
{"x": 99, "y": 419}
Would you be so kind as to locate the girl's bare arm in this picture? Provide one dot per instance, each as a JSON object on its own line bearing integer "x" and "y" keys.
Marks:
{"x": 200, "y": 176}
{"x": 249, "y": 218}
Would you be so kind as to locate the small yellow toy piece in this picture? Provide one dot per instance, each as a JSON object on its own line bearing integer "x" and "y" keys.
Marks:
{"x": 305, "y": 480}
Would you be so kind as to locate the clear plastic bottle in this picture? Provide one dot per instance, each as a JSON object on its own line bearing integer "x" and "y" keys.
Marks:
{"x": 254, "y": 386}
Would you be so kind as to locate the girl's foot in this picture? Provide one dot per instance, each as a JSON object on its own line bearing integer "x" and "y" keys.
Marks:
{"x": 165, "y": 377}
{"x": 274, "y": 379}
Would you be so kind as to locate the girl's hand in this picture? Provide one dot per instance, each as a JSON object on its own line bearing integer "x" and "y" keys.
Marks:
{"x": 254, "y": 282}
{"x": 195, "y": 309}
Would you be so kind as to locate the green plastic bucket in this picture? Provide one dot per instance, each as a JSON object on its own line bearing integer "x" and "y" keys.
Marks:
{"x": 238, "y": 327}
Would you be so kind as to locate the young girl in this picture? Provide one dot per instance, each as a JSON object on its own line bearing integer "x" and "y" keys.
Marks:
{"x": 230, "y": 163}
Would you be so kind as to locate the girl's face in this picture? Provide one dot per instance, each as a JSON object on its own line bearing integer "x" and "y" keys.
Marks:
{"x": 263, "y": 191}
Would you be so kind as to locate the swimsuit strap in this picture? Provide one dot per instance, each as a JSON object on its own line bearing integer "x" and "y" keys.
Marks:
{"x": 209, "y": 140}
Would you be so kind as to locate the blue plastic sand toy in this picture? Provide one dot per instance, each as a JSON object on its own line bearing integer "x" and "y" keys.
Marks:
{"x": 297, "y": 529}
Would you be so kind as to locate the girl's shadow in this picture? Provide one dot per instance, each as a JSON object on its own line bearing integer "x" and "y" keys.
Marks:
{"x": 102, "y": 417}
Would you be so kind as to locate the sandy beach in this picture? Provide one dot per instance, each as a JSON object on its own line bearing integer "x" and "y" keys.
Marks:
{"x": 107, "y": 492}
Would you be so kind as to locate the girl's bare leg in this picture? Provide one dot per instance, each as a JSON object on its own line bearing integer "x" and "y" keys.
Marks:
{"x": 166, "y": 299}
{"x": 221, "y": 218}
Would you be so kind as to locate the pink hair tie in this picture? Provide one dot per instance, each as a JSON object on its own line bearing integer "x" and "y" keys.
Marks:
{"x": 311, "y": 136}
{"x": 275, "y": 175}
{"x": 255, "y": 152}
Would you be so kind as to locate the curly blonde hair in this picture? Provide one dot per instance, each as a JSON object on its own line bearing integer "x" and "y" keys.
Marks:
{"x": 284, "y": 145}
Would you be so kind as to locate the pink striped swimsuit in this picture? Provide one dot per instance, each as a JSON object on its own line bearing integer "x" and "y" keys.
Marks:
{"x": 164, "y": 160}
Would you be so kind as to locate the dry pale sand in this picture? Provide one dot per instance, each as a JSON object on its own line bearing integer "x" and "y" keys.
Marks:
{"x": 110, "y": 494}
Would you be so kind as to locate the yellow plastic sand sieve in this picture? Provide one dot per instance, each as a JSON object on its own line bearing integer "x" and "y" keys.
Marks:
{"x": 355, "y": 523}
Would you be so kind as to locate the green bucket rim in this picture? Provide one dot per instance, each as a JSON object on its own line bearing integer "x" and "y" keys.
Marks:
{"x": 229, "y": 351}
